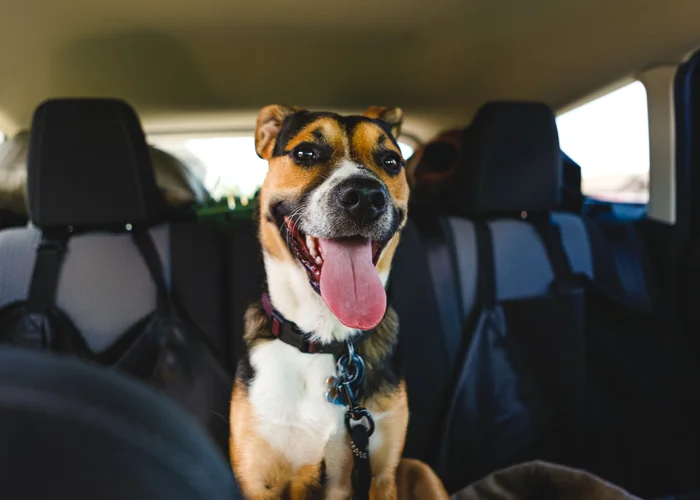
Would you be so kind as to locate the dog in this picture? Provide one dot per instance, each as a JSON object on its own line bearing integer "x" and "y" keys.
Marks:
{"x": 331, "y": 210}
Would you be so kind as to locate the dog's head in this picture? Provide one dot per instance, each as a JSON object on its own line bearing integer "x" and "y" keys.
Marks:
{"x": 333, "y": 203}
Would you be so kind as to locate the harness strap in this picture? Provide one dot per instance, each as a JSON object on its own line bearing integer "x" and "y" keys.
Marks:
{"x": 149, "y": 253}
{"x": 34, "y": 329}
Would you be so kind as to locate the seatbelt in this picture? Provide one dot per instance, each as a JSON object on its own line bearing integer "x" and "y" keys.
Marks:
{"x": 550, "y": 234}
{"x": 436, "y": 237}
{"x": 485, "y": 298}
{"x": 414, "y": 298}
{"x": 486, "y": 270}
{"x": 149, "y": 254}
{"x": 34, "y": 328}
{"x": 604, "y": 268}
{"x": 174, "y": 344}
{"x": 568, "y": 285}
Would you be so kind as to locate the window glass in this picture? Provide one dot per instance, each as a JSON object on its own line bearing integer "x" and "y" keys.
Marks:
{"x": 609, "y": 138}
{"x": 229, "y": 165}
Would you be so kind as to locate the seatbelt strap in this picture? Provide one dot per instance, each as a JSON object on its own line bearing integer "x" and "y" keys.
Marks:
{"x": 33, "y": 329}
{"x": 550, "y": 234}
{"x": 436, "y": 237}
{"x": 149, "y": 254}
{"x": 165, "y": 304}
{"x": 416, "y": 302}
{"x": 485, "y": 298}
{"x": 604, "y": 269}
{"x": 486, "y": 268}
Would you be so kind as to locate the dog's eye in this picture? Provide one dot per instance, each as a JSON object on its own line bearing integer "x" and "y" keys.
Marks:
{"x": 305, "y": 155}
{"x": 392, "y": 162}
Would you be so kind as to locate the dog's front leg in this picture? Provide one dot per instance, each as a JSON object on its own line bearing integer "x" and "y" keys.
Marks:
{"x": 386, "y": 444}
{"x": 338, "y": 468}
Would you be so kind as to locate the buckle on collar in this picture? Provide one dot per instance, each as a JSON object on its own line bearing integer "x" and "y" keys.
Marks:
{"x": 278, "y": 323}
{"x": 289, "y": 333}
{"x": 295, "y": 338}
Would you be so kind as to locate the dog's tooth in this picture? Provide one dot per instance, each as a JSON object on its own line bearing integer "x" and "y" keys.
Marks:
{"x": 319, "y": 260}
{"x": 311, "y": 245}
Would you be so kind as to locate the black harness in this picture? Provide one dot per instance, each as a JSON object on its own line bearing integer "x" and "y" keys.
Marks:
{"x": 344, "y": 389}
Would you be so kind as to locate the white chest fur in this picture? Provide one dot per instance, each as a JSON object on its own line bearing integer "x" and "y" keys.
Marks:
{"x": 288, "y": 397}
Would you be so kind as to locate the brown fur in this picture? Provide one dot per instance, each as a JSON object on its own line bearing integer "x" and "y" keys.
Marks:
{"x": 264, "y": 473}
{"x": 287, "y": 179}
{"x": 415, "y": 480}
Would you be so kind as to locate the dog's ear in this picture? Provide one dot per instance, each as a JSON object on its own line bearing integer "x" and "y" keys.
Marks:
{"x": 268, "y": 126}
{"x": 392, "y": 116}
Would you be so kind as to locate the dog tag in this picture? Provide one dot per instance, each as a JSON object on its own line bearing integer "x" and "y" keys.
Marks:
{"x": 332, "y": 390}
{"x": 334, "y": 394}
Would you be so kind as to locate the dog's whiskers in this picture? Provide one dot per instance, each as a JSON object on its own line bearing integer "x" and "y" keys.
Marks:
{"x": 295, "y": 218}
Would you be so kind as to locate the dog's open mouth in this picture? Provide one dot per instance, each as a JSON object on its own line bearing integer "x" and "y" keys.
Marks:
{"x": 343, "y": 271}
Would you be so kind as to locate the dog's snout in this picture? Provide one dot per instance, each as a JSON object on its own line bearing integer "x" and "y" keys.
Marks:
{"x": 365, "y": 200}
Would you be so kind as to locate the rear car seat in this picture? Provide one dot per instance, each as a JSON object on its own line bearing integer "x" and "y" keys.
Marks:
{"x": 90, "y": 174}
{"x": 510, "y": 169}
{"x": 510, "y": 164}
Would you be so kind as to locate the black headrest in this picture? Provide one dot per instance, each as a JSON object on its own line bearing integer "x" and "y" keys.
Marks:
{"x": 88, "y": 166}
{"x": 510, "y": 161}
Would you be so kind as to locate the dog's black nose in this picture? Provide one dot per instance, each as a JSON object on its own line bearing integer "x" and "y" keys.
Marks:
{"x": 364, "y": 199}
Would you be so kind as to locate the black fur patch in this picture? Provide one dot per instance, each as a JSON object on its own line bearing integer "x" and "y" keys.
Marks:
{"x": 291, "y": 127}
{"x": 318, "y": 134}
{"x": 244, "y": 370}
{"x": 295, "y": 122}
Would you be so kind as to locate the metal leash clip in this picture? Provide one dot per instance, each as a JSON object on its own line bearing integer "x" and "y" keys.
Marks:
{"x": 344, "y": 388}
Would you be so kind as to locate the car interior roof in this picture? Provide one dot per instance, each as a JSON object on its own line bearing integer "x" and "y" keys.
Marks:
{"x": 183, "y": 60}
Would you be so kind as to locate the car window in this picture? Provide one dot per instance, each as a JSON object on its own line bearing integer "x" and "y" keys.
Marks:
{"x": 228, "y": 165}
{"x": 609, "y": 138}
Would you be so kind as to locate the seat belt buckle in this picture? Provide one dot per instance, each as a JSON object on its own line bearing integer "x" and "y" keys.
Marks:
{"x": 33, "y": 331}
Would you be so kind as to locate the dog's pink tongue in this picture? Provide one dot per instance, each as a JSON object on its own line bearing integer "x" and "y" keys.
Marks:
{"x": 350, "y": 284}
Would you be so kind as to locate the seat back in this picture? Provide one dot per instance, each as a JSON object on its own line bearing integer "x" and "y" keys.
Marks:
{"x": 89, "y": 176}
{"x": 509, "y": 148}
{"x": 511, "y": 164}
{"x": 96, "y": 275}
{"x": 74, "y": 430}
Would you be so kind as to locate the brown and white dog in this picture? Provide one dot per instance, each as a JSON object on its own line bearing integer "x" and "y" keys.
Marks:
{"x": 331, "y": 211}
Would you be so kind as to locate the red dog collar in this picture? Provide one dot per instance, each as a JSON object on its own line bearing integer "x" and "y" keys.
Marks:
{"x": 289, "y": 333}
